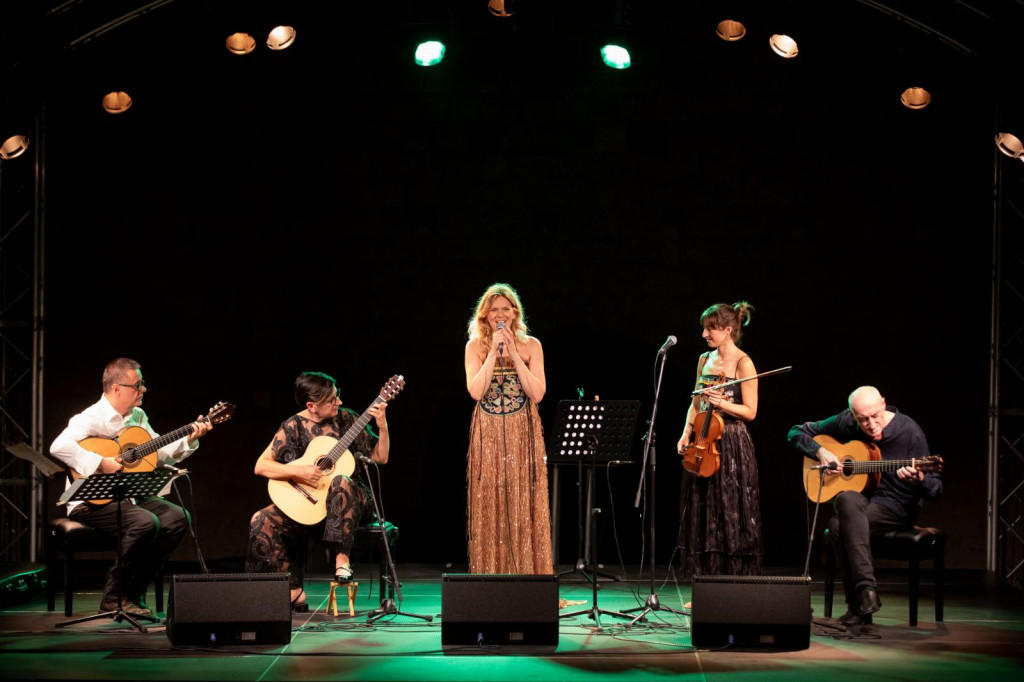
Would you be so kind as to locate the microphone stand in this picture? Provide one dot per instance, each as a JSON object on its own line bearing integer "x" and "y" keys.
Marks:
{"x": 652, "y": 603}
{"x": 387, "y": 603}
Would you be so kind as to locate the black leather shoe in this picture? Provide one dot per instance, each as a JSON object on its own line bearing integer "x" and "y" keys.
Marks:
{"x": 853, "y": 617}
{"x": 869, "y": 601}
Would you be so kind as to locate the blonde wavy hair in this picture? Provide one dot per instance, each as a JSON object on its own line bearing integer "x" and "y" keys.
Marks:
{"x": 478, "y": 327}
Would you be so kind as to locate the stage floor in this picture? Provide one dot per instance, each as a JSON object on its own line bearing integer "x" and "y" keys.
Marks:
{"x": 981, "y": 638}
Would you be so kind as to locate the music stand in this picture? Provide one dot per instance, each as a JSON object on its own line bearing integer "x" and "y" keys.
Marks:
{"x": 387, "y": 602}
{"x": 117, "y": 487}
{"x": 591, "y": 431}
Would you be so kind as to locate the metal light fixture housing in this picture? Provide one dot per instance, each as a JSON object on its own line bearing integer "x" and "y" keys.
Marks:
{"x": 13, "y": 147}
{"x": 730, "y": 30}
{"x": 783, "y": 45}
{"x": 1010, "y": 145}
{"x": 281, "y": 38}
{"x": 240, "y": 43}
{"x": 117, "y": 102}
{"x": 916, "y": 98}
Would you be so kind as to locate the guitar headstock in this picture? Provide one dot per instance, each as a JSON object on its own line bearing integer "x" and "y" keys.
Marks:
{"x": 395, "y": 384}
{"x": 929, "y": 463}
{"x": 221, "y": 412}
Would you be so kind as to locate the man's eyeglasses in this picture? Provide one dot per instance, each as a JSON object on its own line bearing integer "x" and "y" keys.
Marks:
{"x": 137, "y": 386}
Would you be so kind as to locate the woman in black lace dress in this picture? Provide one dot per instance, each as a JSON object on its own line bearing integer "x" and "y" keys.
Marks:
{"x": 277, "y": 543}
{"x": 721, "y": 514}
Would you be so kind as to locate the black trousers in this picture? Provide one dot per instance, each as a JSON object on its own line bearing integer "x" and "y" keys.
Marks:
{"x": 151, "y": 529}
{"x": 857, "y": 519}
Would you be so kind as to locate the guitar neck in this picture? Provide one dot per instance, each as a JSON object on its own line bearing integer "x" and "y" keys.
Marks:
{"x": 350, "y": 435}
{"x": 880, "y": 465}
{"x": 160, "y": 441}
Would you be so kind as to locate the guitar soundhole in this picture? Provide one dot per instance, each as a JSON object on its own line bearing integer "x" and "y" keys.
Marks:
{"x": 129, "y": 455}
{"x": 847, "y": 467}
{"x": 325, "y": 464}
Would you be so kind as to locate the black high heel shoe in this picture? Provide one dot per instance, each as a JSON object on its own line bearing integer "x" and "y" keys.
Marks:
{"x": 343, "y": 574}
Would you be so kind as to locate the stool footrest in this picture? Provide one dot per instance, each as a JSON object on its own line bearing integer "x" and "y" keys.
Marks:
{"x": 332, "y": 600}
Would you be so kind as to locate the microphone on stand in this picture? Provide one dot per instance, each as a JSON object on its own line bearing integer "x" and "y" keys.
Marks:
{"x": 501, "y": 344}
{"x": 831, "y": 466}
{"x": 669, "y": 342}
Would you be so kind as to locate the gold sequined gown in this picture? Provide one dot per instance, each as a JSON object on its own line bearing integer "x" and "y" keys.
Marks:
{"x": 509, "y": 524}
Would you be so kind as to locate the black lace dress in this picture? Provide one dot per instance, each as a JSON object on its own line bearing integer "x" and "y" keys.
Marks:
{"x": 277, "y": 544}
{"x": 720, "y": 533}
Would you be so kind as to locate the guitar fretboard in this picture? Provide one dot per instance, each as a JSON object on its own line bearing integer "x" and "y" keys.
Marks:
{"x": 342, "y": 445}
{"x": 855, "y": 467}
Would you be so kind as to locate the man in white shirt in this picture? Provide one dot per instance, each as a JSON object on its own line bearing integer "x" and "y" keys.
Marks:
{"x": 151, "y": 528}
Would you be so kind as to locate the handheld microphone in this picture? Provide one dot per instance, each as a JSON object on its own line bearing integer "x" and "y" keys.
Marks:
{"x": 501, "y": 344}
{"x": 669, "y": 342}
{"x": 831, "y": 466}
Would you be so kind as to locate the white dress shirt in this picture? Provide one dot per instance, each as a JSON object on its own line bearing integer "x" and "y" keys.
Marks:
{"x": 101, "y": 420}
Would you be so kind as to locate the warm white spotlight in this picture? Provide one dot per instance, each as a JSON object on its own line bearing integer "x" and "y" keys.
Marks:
{"x": 13, "y": 147}
{"x": 1010, "y": 145}
{"x": 916, "y": 98}
{"x": 117, "y": 102}
{"x": 730, "y": 30}
{"x": 240, "y": 43}
{"x": 783, "y": 45}
{"x": 281, "y": 38}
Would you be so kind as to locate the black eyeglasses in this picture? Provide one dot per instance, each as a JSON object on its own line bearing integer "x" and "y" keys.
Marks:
{"x": 137, "y": 386}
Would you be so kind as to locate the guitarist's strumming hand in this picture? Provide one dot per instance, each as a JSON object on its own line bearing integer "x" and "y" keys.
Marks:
{"x": 308, "y": 475}
{"x": 110, "y": 465}
{"x": 826, "y": 457}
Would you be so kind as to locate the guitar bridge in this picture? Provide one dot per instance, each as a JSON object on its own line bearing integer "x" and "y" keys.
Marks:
{"x": 305, "y": 493}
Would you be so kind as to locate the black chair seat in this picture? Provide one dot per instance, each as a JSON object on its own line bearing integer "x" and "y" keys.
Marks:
{"x": 67, "y": 537}
{"x": 913, "y": 545}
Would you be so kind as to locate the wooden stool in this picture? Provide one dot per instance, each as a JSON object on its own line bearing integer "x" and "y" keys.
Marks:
{"x": 332, "y": 600}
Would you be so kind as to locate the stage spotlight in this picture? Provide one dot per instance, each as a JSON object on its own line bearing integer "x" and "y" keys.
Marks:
{"x": 616, "y": 56}
{"x": 240, "y": 43}
{"x": 281, "y": 37}
{"x": 1009, "y": 145}
{"x": 501, "y": 8}
{"x": 916, "y": 98}
{"x": 783, "y": 45}
{"x": 430, "y": 53}
{"x": 117, "y": 102}
{"x": 730, "y": 30}
{"x": 13, "y": 147}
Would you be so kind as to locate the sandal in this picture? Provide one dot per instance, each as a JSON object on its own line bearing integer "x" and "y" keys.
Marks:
{"x": 343, "y": 574}
{"x": 300, "y": 606}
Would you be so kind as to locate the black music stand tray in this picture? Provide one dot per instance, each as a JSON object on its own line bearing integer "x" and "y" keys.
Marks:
{"x": 117, "y": 487}
{"x": 592, "y": 431}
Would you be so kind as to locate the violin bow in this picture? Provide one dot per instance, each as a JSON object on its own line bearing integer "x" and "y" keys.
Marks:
{"x": 780, "y": 370}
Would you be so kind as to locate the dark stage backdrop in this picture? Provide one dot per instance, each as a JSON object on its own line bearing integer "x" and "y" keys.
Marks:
{"x": 252, "y": 218}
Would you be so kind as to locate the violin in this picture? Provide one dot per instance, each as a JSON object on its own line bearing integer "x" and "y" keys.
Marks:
{"x": 701, "y": 456}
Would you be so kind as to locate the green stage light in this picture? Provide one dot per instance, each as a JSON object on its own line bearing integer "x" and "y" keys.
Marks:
{"x": 615, "y": 56}
{"x": 429, "y": 53}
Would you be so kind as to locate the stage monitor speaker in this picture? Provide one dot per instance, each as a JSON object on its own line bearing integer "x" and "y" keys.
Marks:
{"x": 229, "y": 608}
{"x": 480, "y": 611}
{"x": 751, "y": 611}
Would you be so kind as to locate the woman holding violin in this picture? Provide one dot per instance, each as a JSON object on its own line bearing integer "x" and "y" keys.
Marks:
{"x": 720, "y": 530}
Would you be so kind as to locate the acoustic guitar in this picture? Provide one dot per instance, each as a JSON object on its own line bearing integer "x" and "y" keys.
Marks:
{"x": 307, "y": 504}
{"x": 860, "y": 467}
{"x": 137, "y": 450}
